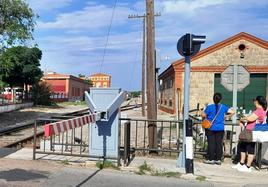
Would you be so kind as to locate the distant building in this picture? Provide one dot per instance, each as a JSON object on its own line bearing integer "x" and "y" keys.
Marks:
{"x": 206, "y": 68}
{"x": 66, "y": 87}
{"x": 100, "y": 80}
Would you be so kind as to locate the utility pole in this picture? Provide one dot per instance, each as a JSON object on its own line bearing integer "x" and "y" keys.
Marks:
{"x": 143, "y": 61}
{"x": 151, "y": 84}
{"x": 143, "y": 81}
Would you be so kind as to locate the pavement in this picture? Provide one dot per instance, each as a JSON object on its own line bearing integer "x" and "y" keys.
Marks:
{"x": 18, "y": 169}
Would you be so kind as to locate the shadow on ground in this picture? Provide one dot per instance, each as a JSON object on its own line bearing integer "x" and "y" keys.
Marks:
{"x": 88, "y": 178}
{"x": 7, "y": 151}
{"x": 22, "y": 175}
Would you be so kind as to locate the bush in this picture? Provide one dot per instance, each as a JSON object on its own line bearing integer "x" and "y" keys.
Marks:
{"x": 41, "y": 94}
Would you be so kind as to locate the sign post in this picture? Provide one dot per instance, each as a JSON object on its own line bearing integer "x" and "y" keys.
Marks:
{"x": 187, "y": 46}
{"x": 235, "y": 78}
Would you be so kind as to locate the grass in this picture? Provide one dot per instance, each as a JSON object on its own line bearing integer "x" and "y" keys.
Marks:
{"x": 144, "y": 168}
{"x": 65, "y": 162}
{"x": 147, "y": 169}
{"x": 106, "y": 164}
{"x": 201, "y": 178}
{"x": 166, "y": 174}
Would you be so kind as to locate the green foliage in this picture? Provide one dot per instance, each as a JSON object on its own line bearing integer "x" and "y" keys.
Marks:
{"x": 86, "y": 80}
{"x": 65, "y": 162}
{"x": 41, "y": 94}
{"x": 135, "y": 94}
{"x": 144, "y": 168}
{"x": 21, "y": 65}
{"x": 201, "y": 178}
{"x": 106, "y": 164}
{"x": 17, "y": 21}
{"x": 147, "y": 169}
{"x": 166, "y": 174}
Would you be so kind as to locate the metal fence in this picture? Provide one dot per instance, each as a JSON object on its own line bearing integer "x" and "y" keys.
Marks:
{"x": 134, "y": 137}
{"x": 133, "y": 140}
{"x": 74, "y": 142}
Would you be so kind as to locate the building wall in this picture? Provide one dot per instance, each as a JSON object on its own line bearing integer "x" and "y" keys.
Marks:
{"x": 206, "y": 65}
{"x": 202, "y": 81}
{"x": 67, "y": 89}
{"x": 77, "y": 90}
{"x": 102, "y": 81}
{"x": 59, "y": 89}
{"x": 254, "y": 56}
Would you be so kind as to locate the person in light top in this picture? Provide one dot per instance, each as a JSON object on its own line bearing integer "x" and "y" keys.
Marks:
{"x": 248, "y": 148}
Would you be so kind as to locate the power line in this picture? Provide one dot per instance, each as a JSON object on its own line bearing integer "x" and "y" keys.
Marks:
{"x": 108, "y": 34}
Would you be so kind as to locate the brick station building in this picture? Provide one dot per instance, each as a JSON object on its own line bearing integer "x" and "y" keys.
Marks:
{"x": 100, "y": 80}
{"x": 66, "y": 87}
{"x": 206, "y": 68}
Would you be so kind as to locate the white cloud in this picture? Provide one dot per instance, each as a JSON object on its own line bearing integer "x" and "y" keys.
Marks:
{"x": 189, "y": 6}
{"x": 74, "y": 41}
{"x": 48, "y": 5}
{"x": 91, "y": 17}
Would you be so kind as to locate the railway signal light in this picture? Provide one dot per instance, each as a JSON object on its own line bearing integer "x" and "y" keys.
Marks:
{"x": 187, "y": 46}
{"x": 190, "y": 44}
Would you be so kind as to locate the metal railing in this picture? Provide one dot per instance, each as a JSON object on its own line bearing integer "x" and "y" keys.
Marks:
{"x": 73, "y": 143}
{"x": 169, "y": 137}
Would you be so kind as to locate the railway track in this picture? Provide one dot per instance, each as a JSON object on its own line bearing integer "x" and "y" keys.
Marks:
{"x": 22, "y": 135}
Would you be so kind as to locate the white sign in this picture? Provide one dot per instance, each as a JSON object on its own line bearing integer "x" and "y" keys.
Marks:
{"x": 243, "y": 78}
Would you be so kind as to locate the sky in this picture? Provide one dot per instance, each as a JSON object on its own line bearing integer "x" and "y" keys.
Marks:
{"x": 72, "y": 34}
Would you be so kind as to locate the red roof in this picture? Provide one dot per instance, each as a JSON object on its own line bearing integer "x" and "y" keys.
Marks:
{"x": 61, "y": 76}
{"x": 99, "y": 75}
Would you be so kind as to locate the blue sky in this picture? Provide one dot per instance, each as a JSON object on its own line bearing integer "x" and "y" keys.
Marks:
{"x": 72, "y": 33}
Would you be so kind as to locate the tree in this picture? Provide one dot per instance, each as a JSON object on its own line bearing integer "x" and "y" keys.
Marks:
{"x": 86, "y": 80}
{"x": 21, "y": 65}
{"x": 41, "y": 93}
{"x": 17, "y": 23}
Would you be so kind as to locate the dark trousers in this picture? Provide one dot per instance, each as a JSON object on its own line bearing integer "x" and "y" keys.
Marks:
{"x": 215, "y": 149}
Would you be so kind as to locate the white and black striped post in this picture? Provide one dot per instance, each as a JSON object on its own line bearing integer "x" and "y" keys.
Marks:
{"x": 188, "y": 130}
{"x": 189, "y": 164}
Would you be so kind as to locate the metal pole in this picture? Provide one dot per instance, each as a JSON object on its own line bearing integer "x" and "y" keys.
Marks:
{"x": 34, "y": 141}
{"x": 235, "y": 92}
{"x": 186, "y": 156}
{"x": 187, "y": 126}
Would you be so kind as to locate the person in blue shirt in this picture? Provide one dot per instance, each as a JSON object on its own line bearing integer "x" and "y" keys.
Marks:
{"x": 215, "y": 133}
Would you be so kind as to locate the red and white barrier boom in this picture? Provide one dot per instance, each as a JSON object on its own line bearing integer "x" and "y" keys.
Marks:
{"x": 65, "y": 125}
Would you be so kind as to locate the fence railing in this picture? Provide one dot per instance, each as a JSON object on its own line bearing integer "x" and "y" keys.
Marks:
{"x": 73, "y": 143}
{"x": 133, "y": 140}
{"x": 134, "y": 137}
